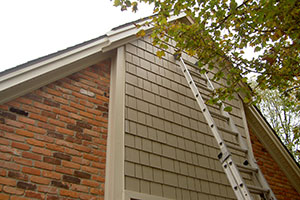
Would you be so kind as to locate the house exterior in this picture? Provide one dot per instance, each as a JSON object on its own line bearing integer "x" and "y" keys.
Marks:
{"x": 107, "y": 119}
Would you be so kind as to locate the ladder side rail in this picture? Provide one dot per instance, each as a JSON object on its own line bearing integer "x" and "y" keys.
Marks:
{"x": 226, "y": 114}
{"x": 239, "y": 187}
{"x": 250, "y": 155}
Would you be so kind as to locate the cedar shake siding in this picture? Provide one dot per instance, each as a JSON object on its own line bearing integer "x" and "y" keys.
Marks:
{"x": 53, "y": 140}
{"x": 276, "y": 178}
{"x": 169, "y": 150}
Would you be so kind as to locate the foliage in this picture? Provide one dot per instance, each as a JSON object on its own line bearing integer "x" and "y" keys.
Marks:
{"x": 284, "y": 117}
{"x": 221, "y": 32}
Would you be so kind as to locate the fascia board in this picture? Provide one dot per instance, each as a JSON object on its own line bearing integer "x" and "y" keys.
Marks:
{"x": 123, "y": 35}
{"x": 11, "y": 84}
{"x": 273, "y": 145}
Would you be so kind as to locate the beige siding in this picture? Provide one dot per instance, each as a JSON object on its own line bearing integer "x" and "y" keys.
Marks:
{"x": 169, "y": 150}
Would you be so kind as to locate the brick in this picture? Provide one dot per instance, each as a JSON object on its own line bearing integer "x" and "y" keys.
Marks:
{"x": 42, "y": 106}
{"x": 56, "y": 122}
{"x": 4, "y": 141}
{"x": 30, "y": 170}
{"x": 64, "y": 170}
{"x": 79, "y": 188}
{"x": 22, "y": 161}
{"x": 13, "y": 190}
{"x": 90, "y": 169}
{"x": 17, "y": 175}
{"x": 46, "y": 126}
{"x": 14, "y": 137}
{"x": 51, "y": 174}
{"x": 60, "y": 112}
{"x": 34, "y": 97}
{"x": 32, "y": 156}
{"x": 26, "y": 186}
{"x": 52, "y": 197}
{"x": 51, "y": 103}
{"x": 72, "y": 152}
{"x": 81, "y": 161}
{"x": 83, "y": 124}
{"x": 26, "y": 120}
{"x": 7, "y": 181}
{"x": 5, "y": 156}
{"x": 74, "y": 128}
{"x": 64, "y": 143}
{"x": 83, "y": 136}
{"x": 4, "y": 196}
{"x": 55, "y": 135}
{"x": 69, "y": 193}
{"x": 38, "y": 117}
{"x": 82, "y": 148}
{"x": 74, "y": 140}
{"x": 36, "y": 129}
{"x": 15, "y": 123}
{"x": 10, "y": 165}
{"x": 59, "y": 184}
{"x": 20, "y": 146}
{"x": 52, "y": 160}
{"x": 6, "y": 128}
{"x": 82, "y": 174}
{"x": 97, "y": 191}
{"x": 24, "y": 133}
{"x": 65, "y": 131}
{"x": 91, "y": 157}
{"x": 90, "y": 183}
{"x": 71, "y": 179}
{"x": 44, "y": 138}
{"x": 34, "y": 195}
{"x": 35, "y": 142}
{"x": 43, "y": 165}
{"x": 70, "y": 164}
{"x": 8, "y": 115}
{"x": 62, "y": 156}
{"x": 40, "y": 180}
{"x": 19, "y": 198}
{"x": 98, "y": 178}
{"x": 55, "y": 147}
{"x": 2, "y": 172}
{"x": 47, "y": 189}
{"x": 42, "y": 151}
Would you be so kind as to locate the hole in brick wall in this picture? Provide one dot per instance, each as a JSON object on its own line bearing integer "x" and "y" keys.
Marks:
{"x": 18, "y": 111}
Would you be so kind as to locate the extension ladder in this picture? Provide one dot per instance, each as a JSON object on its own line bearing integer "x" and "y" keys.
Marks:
{"x": 232, "y": 170}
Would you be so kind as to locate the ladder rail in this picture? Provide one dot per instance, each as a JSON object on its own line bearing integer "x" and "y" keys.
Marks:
{"x": 250, "y": 156}
{"x": 239, "y": 187}
{"x": 234, "y": 177}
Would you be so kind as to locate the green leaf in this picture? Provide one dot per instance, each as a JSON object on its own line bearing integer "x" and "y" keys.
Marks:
{"x": 228, "y": 109}
{"x": 160, "y": 54}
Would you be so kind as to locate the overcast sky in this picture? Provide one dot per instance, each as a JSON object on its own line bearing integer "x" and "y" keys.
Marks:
{"x": 33, "y": 28}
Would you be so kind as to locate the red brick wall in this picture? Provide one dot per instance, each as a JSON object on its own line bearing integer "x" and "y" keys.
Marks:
{"x": 53, "y": 140}
{"x": 277, "y": 180}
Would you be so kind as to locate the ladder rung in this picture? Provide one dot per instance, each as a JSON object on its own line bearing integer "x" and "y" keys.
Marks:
{"x": 220, "y": 116}
{"x": 257, "y": 190}
{"x": 228, "y": 131}
{"x": 237, "y": 148}
{"x": 246, "y": 169}
{"x": 198, "y": 75}
{"x": 199, "y": 85}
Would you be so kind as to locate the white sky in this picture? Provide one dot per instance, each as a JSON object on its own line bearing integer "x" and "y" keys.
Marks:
{"x": 33, "y": 28}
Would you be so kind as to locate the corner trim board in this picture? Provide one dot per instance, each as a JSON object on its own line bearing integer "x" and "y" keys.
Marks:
{"x": 114, "y": 176}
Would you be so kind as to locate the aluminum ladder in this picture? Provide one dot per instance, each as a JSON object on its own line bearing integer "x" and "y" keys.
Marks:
{"x": 232, "y": 170}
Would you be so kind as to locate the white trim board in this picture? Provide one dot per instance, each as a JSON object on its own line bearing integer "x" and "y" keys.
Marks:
{"x": 114, "y": 173}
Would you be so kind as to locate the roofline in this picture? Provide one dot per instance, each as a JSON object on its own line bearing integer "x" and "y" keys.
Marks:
{"x": 34, "y": 74}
